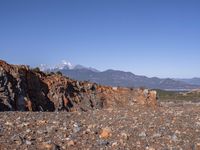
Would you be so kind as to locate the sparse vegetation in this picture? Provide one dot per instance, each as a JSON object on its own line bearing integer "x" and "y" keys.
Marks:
{"x": 177, "y": 96}
{"x": 37, "y": 69}
{"x": 59, "y": 73}
{"x": 51, "y": 73}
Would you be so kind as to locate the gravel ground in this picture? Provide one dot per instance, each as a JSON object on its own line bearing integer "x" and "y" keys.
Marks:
{"x": 135, "y": 127}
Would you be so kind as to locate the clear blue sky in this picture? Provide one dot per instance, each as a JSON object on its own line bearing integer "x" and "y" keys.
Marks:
{"x": 147, "y": 37}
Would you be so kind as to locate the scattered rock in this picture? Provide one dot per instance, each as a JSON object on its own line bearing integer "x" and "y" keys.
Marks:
{"x": 132, "y": 127}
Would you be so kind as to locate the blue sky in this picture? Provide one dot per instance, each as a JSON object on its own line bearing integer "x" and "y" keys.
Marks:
{"x": 147, "y": 37}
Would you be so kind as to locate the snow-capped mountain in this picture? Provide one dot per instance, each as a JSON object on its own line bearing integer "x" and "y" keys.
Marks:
{"x": 44, "y": 67}
{"x": 64, "y": 65}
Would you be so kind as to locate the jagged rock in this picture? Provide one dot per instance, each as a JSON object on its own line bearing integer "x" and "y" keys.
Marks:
{"x": 25, "y": 89}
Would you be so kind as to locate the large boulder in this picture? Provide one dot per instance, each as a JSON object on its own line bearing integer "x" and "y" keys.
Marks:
{"x": 25, "y": 89}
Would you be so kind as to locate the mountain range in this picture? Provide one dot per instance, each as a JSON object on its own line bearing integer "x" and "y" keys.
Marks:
{"x": 194, "y": 81}
{"x": 120, "y": 78}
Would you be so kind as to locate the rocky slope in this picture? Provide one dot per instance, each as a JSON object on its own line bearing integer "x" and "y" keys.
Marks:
{"x": 132, "y": 128}
{"x": 25, "y": 89}
{"x": 98, "y": 117}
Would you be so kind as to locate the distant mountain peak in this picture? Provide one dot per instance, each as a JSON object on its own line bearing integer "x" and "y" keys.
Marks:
{"x": 43, "y": 67}
{"x": 64, "y": 65}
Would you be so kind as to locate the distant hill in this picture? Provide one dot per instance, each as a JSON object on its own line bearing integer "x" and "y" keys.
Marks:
{"x": 194, "y": 81}
{"x": 120, "y": 78}
{"x": 126, "y": 79}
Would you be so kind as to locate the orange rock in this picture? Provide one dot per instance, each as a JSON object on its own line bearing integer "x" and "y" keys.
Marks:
{"x": 105, "y": 133}
{"x": 71, "y": 143}
{"x": 197, "y": 146}
{"x": 41, "y": 122}
{"x": 45, "y": 146}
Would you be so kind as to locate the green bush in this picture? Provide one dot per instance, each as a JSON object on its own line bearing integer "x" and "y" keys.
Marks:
{"x": 37, "y": 69}
{"x": 59, "y": 73}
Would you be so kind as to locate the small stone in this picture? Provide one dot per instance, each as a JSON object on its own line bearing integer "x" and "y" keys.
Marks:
{"x": 25, "y": 124}
{"x": 76, "y": 128}
{"x": 56, "y": 147}
{"x": 197, "y": 146}
{"x": 28, "y": 130}
{"x": 90, "y": 126}
{"x": 114, "y": 144}
{"x": 41, "y": 122}
{"x": 150, "y": 148}
{"x": 71, "y": 143}
{"x": 1, "y": 128}
{"x": 87, "y": 131}
{"x": 40, "y": 139}
{"x": 105, "y": 133}
{"x": 156, "y": 135}
{"x": 198, "y": 123}
{"x": 9, "y": 123}
{"x": 142, "y": 134}
{"x": 125, "y": 136}
{"x": 174, "y": 138}
{"x": 103, "y": 143}
{"x": 17, "y": 139}
{"x": 46, "y": 146}
{"x": 177, "y": 132}
{"x": 28, "y": 142}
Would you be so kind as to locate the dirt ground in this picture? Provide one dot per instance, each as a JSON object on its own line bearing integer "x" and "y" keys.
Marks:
{"x": 168, "y": 127}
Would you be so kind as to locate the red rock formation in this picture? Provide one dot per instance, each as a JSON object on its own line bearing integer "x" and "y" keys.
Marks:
{"x": 22, "y": 88}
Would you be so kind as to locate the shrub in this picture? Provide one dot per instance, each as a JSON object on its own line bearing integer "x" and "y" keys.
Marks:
{"x": 59, "y": 73}
{"x": 37, "y": 69}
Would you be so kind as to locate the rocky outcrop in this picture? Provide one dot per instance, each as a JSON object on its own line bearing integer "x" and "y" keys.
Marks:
{"x": 25, "y": 89}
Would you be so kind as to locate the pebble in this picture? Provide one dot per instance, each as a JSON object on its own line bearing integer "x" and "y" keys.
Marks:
{"x": 114, "y": 144}
{"x": 1, "y": 128}
{"x": 28, "y": 142}
{"x": 142, "y": 134}
{"x": 124, "y": 136}
{"x": 105, "y": 133}
{"x": 9, "y": 123}
{"x": 95, "y": 130}
{"x": 156, "y": 135}
{"x": 71, "y": 143}
{"x": 76, "y": 128}
{"x": 174, "y": 138}
{"x": 103, "y": 142}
